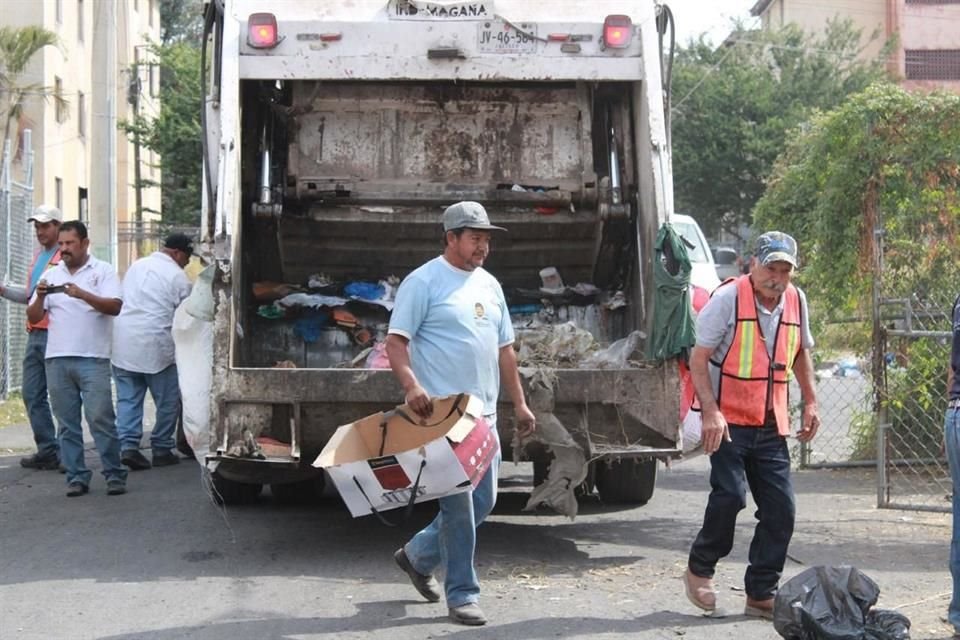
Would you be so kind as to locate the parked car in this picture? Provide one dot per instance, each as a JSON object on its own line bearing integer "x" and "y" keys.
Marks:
{"x": 726, "y": 262}
{"x": 704, "y": 273}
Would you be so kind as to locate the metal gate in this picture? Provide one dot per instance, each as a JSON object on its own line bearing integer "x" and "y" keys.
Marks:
{"x": 17, "y": 242}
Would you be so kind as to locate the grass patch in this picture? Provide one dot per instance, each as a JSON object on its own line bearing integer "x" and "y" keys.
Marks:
{"x": 12, "y": 411}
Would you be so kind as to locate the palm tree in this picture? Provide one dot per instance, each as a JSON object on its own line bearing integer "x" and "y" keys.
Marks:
{"x": 17, "y": 47}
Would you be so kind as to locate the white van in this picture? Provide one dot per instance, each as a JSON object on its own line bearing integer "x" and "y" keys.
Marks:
{"x": 704, "y": 272}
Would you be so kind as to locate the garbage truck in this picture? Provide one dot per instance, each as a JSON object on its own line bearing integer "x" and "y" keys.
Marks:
{"x": 335, "y": 134}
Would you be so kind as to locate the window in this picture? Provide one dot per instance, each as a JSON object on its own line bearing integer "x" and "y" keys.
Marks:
{"x": 60, "y": 109}
{"x": 932, "y": 64}
{"x": 59, "y": 11}
{"x": 83, "y": 206}
{"x": 81, "y": 114}
{"x": 58, "y": 191}
{"x": 79, "y": 20}
{"x": 154, "y": 85}
{"x": 150, "y": 12}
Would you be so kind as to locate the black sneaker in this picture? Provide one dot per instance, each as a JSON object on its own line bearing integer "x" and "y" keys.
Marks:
{"x": 116, "y": 487}
{"x": 75, "y": 489}
{"x": 165, "y": 459}
{"x": 428, "y": 586}
{"x": 42, "y": 463}
{"x": 135, "y": 460}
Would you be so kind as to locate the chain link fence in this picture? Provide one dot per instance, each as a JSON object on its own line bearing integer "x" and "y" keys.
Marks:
{"x": 881, "y": 390}
{"x": 17, "y": 244}
{"x": 136, "y": 240}
{"x": 911, "y": 462}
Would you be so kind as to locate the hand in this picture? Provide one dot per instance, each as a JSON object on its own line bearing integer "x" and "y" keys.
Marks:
{"x": 811, "y": 422}
{"x": 74, "y": 291}
{"x": 419, "y": 400}
{"x": 526, "y": 421}
{"x": 715, "y": 430}
{"x": 42, "y": 288}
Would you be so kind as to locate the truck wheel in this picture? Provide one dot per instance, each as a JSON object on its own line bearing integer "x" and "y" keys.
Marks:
{"x": 230, "y": 492}
{"x": 627, "y": 481}
{"x": 304, "y": 492}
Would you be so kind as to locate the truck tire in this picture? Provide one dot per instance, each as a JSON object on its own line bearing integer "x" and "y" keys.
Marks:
{"x": 303, "y": 492}
{"x": 627, "y": 481}
{"x": 231, "y": 493}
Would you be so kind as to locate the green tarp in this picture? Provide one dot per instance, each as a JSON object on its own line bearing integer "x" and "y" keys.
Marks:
{"x": 672, "y": 334}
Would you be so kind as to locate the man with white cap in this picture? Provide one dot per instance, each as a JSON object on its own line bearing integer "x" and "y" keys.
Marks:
{"x": 46, "y": 224}
{"x": 450, "y": 332}
{"x": 752, "y": 336}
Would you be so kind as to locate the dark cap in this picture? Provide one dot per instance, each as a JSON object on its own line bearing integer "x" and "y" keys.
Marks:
{"x": 776, "y": 246}
{"x": 180, "y": 242}
{"x": 467, "y": 215}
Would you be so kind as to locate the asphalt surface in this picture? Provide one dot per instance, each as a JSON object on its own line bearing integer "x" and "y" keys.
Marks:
{"x": 164, "y": 562}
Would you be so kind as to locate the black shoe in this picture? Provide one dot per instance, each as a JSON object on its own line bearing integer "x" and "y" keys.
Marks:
{"x": 468, "y": 614}
{"x": 428, "y": 586}
{"x": 42, "y": 463}
{"x": 135, "y": 460}
{"x": 165, "y": 459}
{"x": 116, "y": 487}
{"x": 75, "y": 489}
{"x": 61, "y": 468}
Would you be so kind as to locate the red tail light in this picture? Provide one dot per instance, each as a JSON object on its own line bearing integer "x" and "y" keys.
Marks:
{"x": 262, "y": 31}
{"x": 617, "y": 32}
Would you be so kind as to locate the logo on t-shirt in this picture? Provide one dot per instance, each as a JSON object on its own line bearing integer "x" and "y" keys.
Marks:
{"x": 478, "y": 310}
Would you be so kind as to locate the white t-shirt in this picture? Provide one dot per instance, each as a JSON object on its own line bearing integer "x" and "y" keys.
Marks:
{"x": 76, "y": 328}
{"x": 153, "y": 288}
{"x": 456, "y": 322}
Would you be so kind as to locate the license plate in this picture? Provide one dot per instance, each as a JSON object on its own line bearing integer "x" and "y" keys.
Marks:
{"x": 496, "y": 36}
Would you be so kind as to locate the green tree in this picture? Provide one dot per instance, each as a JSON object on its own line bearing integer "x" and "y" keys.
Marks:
{"x": 175, "y": 133}
{"x": 734, "y": 105}
{"x": 886, "y": 158}
{"x": 17, "y": 47}
{"x": 180, "y": 20}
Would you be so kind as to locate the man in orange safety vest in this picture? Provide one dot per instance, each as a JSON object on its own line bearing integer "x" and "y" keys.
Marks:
{"x": 752, "y": 337}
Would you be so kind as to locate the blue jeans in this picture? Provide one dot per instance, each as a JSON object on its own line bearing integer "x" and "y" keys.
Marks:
{"x": 77, "y": 383}
{"x": 450, "y": 540}
{"x": 131, "y": 390}
{"x": 758, "y": 457}
{"x": 35, "y": 395}
{"x": 952, "y": 437}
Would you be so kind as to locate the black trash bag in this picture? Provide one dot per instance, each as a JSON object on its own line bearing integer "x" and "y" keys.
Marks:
{"x": 833, "y": 603}
{"x": 883, "y": 624}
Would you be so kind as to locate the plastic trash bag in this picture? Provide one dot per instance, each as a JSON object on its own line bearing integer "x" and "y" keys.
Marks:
{"x": 833, "y": 603}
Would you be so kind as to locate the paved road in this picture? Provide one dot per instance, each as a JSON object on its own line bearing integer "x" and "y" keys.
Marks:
{"x": 162, "y": 562}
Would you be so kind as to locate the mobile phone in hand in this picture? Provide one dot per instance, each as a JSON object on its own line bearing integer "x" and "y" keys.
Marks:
{"x": 56, "y": 288}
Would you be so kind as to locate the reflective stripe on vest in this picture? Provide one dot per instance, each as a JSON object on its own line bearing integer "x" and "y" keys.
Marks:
{"x": 750, "y": 384}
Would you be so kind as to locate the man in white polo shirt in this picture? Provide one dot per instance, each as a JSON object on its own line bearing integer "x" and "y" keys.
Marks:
{"x": 143, "y": 354}
{"x": 79, "y": 297}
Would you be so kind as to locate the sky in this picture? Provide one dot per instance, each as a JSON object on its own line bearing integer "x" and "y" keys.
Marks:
{"x": 712, "y": 17}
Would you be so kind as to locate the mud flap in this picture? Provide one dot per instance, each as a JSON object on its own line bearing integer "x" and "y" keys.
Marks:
{"x": 569, "y": 467}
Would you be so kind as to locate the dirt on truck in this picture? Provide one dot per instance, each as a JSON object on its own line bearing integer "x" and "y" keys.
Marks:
{"x": 335, "y": 134}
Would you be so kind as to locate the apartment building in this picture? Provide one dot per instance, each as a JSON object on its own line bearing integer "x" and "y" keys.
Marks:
{"x": 83, "y": 163}
{"x": 927, "y": 55}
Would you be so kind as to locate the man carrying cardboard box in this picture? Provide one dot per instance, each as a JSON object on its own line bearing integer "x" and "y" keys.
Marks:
{"x": 450, "y": 332}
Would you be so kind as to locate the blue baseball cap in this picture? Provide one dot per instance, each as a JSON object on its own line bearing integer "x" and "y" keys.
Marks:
{"x": 776, "y": 246}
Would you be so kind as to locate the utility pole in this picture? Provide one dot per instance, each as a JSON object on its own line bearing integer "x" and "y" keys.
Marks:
{"x": 133, "y": 97}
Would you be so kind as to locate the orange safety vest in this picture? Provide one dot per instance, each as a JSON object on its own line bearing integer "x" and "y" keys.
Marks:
{"x": 54, "y": 261}
{"x": 750, "y": 384}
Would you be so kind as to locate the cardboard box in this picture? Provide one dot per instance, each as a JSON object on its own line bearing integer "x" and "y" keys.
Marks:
{"x": 378, "y": 462}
